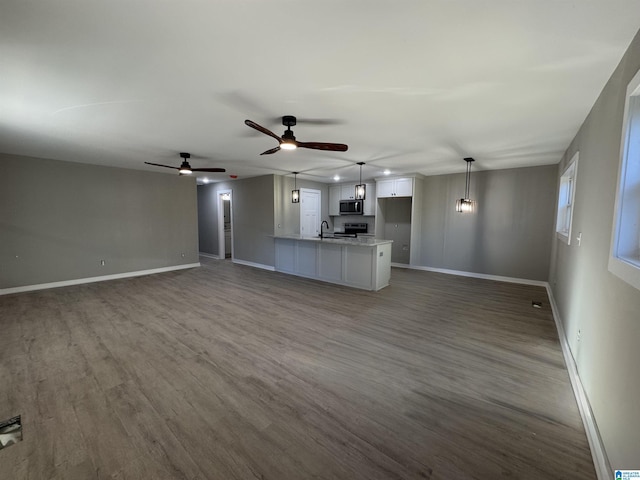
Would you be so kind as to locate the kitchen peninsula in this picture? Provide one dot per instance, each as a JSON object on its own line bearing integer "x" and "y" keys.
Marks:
{"x": 355, "y": 262}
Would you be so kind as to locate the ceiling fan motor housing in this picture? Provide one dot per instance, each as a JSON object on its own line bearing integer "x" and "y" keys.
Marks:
{"x": 289, "y": 121}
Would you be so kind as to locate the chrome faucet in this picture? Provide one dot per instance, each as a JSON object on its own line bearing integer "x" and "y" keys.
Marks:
{"x": 324, "y": 222}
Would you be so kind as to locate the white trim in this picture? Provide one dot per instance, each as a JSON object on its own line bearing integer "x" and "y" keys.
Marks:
{"x": 626, "y": 270}
{"x": 571, "y": 172}
{"x": 498, "y": 278}
{"x": 255, "y": 265}
{"x": 598, "y": 452}
{"x": 209, "y": 255}
{"x": 79, "y": 281}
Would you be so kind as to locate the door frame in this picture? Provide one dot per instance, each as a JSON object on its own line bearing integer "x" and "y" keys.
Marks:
{"x": 221, "y": 249}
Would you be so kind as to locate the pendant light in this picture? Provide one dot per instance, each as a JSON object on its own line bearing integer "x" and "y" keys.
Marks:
{"x": 295, "y": 193}
{"x": 361, "y": 188}
{"x": 466, "y": 205}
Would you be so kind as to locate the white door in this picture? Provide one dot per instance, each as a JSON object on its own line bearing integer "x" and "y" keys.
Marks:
{"x": 309, "y": 212}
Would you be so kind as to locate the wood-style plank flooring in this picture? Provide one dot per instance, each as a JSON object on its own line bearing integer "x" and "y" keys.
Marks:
{"x": 231, "y": 372}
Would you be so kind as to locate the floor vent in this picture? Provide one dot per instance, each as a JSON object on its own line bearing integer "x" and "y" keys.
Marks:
{"x": 10, "y": 432}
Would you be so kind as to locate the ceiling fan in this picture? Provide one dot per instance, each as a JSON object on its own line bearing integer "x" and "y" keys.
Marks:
{"x": 289, "y": 142}
{"x": 185, "y": 168}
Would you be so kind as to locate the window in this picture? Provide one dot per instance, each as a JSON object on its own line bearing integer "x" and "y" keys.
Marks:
{"x": 566, "y": 198}
{"x": 624, "y": 260}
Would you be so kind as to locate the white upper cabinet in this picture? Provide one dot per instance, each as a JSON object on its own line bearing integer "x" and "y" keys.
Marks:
{"x": 335, "y": 195}
{"x": 395, "y": 187}
{"x": 348, "y": 191}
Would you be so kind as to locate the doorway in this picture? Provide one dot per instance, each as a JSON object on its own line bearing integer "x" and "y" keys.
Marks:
{"x": 225, "y": 224}
{"x": 309, "y": 212}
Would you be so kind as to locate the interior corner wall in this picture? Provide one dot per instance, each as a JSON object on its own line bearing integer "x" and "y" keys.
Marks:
{"x": 591, "y": 300}
{"x": 208, "y": 219}
{"x": 509, "y": 234}
{"x": 287, "y": 214}
{"x": 252, "y": 219}
{"x": 58, "y": 220}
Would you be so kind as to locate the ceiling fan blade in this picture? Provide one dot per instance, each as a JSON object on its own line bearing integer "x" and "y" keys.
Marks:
{"x": 208, "y": 170}
{"x": 260, "y": 128}
{"x": 334, "y": 147}
{"x": 269, "y": 152}
{"x": 159, "y": 165}
{"x": 320, "y": 121}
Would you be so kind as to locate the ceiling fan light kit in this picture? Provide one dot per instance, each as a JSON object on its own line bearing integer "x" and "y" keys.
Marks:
{"x": 185, "y": 168}
{"x": 466, "y": 205}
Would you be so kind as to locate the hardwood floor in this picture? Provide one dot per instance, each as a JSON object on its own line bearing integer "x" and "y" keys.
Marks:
{"x": 230, "y": 372}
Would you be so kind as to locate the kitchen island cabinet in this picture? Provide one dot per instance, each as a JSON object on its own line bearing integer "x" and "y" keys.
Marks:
{"x": 360, "y": 262}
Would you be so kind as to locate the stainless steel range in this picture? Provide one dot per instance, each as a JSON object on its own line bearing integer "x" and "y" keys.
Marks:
{"x": 352, "y": 230}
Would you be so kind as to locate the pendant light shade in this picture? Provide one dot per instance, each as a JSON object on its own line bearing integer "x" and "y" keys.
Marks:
{"x": 466, "y": 205}
{"x": 361, "y": 188}
{"x": 295, "y": 193}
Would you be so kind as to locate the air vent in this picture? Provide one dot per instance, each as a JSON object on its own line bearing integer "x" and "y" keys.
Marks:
{"x": 10, "y": 432}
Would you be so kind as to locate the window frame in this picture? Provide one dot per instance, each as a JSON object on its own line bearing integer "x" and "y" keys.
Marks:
{"x": 566, "y": 200}
{"x": 624, "y": 266}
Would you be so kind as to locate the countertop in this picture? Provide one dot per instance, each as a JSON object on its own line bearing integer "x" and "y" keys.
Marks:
{"x": 358, "y": 241}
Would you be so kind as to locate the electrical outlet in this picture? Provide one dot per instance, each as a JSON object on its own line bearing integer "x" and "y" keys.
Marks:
{"x": 102, "y": 262}
{"x": 579, "y": 334}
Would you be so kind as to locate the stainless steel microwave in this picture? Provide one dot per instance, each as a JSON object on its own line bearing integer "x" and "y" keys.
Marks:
{"x": 351, "y": 207}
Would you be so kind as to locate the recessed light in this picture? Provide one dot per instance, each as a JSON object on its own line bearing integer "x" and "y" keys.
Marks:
{"x": 205, "y": 180}
{"x": 336, "y": 177}
{"x": 387, "y": 171}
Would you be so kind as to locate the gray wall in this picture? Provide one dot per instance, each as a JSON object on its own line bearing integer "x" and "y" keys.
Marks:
{"x": 287, "y": 214}
{"x": 59, "y": 219}
{"x": 252, "y": 207}
{"x": 605, "y": 309}
{"x": 397, "y": 226}
{"x": 510, "y": 233}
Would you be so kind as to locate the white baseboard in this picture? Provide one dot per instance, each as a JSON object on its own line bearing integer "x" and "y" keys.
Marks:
{"x": 598, "y": 452}
{"x": 78, "y": 281}
{"x": 255, "y": 265}
{"x": 209, "y": 255}
{"x": 498, "y": 278}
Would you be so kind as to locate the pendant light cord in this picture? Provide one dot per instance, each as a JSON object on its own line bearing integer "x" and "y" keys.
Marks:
{"x": 466, "y": 186}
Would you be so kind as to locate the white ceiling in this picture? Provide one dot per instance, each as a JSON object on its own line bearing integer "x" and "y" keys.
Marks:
{"x": 414, "y": 85}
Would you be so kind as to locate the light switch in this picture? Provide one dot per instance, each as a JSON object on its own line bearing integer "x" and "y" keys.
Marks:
{"x": 579, "y": 238}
